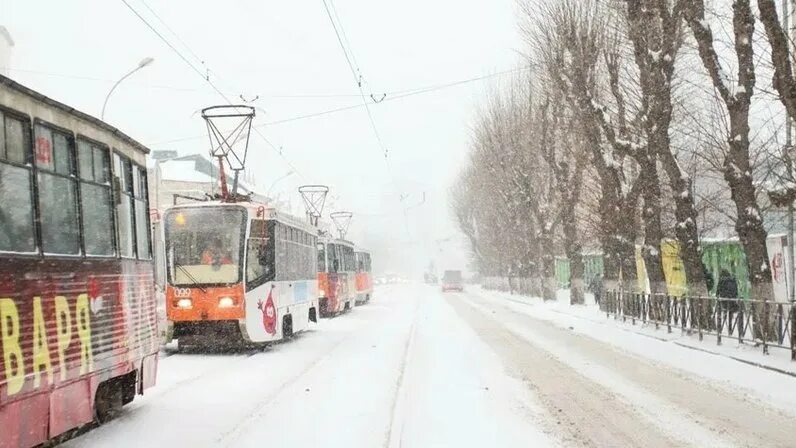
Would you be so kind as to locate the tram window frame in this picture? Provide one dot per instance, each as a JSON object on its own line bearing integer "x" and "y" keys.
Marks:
{"x": 320, "y": 255}
{"x": 269, "y": 255}
{"x": 121, "y": 166}
{"x": 331, "y": 257}
{"x": 91, "y": 178}
{"x": 57, "y": 167}
{"x": 141, "y": 222}
{"x": 21, "y": 166}
{"x": 347, "y": 262}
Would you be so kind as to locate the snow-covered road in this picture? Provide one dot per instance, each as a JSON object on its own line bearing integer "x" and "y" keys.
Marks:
{"x": 416, "y": 368}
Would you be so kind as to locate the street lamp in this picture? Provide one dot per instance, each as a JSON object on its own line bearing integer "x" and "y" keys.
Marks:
{"x": 144, "y": 62}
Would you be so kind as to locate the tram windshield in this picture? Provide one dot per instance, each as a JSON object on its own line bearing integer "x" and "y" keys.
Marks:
{"x": 204, "y": 245}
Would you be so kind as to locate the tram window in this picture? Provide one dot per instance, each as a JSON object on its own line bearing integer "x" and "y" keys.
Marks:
{"x": 331, "y": 252}
{"x": 63, "y": 154}
{"x": 17, "y": 140}
{"x": 58, "y": 209}
{"x": 95, "y": 199}
{"x": 97, "y": 221}
{"x": 57, "y": 192}
{"x": 16, "y": 223}
{"x": 141, "y": 214}
{"x": 124, "y": 207}
{"x": 260, "y": 254}
{"x": 44, "y": 148}
{"x": 321, "y": 258}
{"x": 92, "y": 162}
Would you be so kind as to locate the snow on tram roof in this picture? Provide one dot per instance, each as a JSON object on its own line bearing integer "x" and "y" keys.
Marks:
{"x": 93, "y": 121}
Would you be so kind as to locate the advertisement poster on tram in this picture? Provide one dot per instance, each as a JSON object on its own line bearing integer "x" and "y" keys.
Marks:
{"x": 777, "y": 258}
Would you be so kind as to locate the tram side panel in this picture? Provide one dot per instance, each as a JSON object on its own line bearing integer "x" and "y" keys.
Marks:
{"x": 68, "y": 326}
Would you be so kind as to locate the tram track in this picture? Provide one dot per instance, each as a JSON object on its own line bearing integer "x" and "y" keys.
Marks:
{"x": 228, "y": 437}
{"x": 265, "y": 406}
{"x": 399, "y": 398}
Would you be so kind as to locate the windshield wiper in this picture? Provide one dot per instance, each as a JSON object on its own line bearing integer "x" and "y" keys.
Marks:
{"x": 190, "y": 277}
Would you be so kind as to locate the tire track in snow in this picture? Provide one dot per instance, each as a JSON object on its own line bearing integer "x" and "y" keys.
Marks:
{"x": 399, "y": 399}
{"x": 589, "y": 413}
{"x": 228, "y": 438}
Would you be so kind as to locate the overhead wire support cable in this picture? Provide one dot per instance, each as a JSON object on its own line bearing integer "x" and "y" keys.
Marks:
{"x": 345, "y": 36}
{"x": 357, "y": 79}
{"x": 390, "y": 96}
{"x": 173, "y": 33}
{"x": 207, "y": 79}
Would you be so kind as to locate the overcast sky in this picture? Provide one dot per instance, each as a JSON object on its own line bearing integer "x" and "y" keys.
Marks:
{"x": 286, "y": 53}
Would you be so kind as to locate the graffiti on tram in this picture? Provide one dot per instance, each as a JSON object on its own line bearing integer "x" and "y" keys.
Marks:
{"x": 70, "y": 325}
{"x": 50, "y": 338}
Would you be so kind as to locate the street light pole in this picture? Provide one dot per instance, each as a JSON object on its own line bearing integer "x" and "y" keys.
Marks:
{"x": 144, "y": 62}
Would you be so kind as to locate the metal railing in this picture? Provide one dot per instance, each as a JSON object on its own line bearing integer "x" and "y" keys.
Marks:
{"x": 765, "y": 324}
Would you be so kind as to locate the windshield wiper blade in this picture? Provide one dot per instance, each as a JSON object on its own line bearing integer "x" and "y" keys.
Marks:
{"x": 190, "y": 277}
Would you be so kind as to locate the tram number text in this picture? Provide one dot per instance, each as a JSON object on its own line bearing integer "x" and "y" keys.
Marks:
{"x": 67, "y": 325}
{"x": 182, "y": 292}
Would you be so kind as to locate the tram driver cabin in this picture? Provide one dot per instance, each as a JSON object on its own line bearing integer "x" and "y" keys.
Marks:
{"x": 78, "y": 324}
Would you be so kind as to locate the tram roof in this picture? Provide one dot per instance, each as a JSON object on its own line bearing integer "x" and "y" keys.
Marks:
{"x": 269, "y": 212}
{"x": 329, "y": 239}
{"x": 93, "y": 121}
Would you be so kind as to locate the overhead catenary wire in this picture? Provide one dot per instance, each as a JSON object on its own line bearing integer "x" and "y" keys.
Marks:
{"x": 173, "y": 33}
{"x": 389, "y": 96}
{"x": 357, "y": 79}
{"x": 207, "y": 79}
{"x": 345, "y": 36}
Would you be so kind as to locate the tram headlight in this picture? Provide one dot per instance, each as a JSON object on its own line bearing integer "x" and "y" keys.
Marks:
{"x": 184, "y": 303}
{"x": 321, "y": 293}
{"x": 226, "y": 302}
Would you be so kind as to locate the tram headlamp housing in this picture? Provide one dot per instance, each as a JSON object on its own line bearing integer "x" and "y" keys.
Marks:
{"x": 184, "y": 303}
{"x": 321, "y": 293}
{"x": 226, "y": 302}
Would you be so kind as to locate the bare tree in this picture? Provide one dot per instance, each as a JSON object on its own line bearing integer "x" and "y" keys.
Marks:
{"x": 563, "y": 150}
{"x": 736, "y": 167}
{"x": 654, "y": 28}
{"x": 570, "y": 37}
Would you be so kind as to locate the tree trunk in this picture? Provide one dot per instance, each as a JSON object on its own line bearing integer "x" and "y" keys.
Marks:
{"x": 548, "y": 267}
{"x": 574, "y": 253}
{"x": 748, "y": 225}
{"x": 653, "y": 233}
{"x": 685, "y": 230}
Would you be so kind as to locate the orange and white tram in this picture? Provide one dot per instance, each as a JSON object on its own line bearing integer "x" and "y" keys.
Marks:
{"x": 336, "y": 275}
{"x": 364, "y": 276}
{"x": 238, "y": 272}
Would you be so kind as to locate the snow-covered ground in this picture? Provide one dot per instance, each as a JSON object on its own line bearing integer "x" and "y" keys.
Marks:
{"x": 418, "y": 368}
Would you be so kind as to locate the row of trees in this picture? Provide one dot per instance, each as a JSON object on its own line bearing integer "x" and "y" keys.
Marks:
{"x": 635, "y": 122}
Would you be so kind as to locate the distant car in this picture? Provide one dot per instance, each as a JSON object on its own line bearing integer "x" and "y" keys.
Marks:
{"x": 452, "y": 281}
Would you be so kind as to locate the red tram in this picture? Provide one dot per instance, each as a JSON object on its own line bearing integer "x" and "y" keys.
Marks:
{"x": 78, "y": 324}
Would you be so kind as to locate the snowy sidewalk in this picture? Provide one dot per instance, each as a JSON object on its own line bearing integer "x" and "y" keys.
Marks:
{"x": 744, "y": 366}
